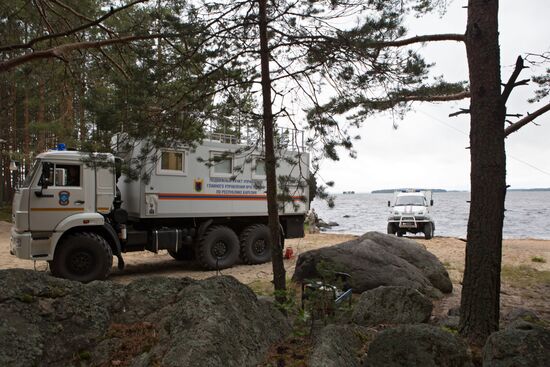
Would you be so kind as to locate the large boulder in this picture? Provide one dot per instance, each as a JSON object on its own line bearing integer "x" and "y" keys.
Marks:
{"x": 45, "y": 321}
{"x": 392, "y": 305}
{"x": 523, "y": 345}
{"x": 417, "y": 345}
{"x": 340, "y": 345}
{"x": 376, "y": 259}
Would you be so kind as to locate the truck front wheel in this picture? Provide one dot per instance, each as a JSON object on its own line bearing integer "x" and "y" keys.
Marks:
{"x": 218, "y": 248}
{"x": 428, "y": 231}
{"x": 391, "y": 228}
{"x": 256, "y": 244}
{"x": 82, "y": 256}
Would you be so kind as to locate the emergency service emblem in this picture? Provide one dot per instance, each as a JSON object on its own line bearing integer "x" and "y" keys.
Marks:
{"x": 64, "y": 197}
{"x": 198, "y": 184}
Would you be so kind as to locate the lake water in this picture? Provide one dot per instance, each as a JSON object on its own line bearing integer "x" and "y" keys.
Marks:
{"x": 527, "y": 213}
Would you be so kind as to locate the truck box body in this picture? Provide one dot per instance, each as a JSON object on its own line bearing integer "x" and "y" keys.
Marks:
{"x": 182, "y": 185}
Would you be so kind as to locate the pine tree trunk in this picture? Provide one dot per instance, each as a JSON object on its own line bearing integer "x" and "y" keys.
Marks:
{"x": 279, "y": 277}
{"x": 26, "y": 132}
{"x": 40, "y": 115}
{"x": 479, "y": 315}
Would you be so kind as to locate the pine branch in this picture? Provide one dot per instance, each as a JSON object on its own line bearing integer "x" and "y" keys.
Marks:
{"x": 70, "y": 31}
{"x": 512, "y": 81}
{"x": 462, "y": 111}
{"x": 527, "y": 119}
{"x": 62, "y": 50}
{"x": 418, "y": 39}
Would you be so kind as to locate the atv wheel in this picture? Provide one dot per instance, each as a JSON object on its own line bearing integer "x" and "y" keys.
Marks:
{"x": 82, "y": 256}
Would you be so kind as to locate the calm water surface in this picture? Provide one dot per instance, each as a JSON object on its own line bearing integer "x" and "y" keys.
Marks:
{"x": 527, "y": 213}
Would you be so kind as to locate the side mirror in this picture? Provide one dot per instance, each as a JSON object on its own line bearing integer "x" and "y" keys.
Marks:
{"x": 46, "y": 174}
{"x": 431, "y": 202}
{"x": 389, "y": 203}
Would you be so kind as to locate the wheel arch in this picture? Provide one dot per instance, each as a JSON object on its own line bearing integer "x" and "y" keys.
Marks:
{"x": 106, "y": 231}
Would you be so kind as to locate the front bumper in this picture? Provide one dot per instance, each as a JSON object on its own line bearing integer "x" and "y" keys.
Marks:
{"x": 20, "y": 244}
{"x": 25, "y": 247}
{"x": 408, "y": 221}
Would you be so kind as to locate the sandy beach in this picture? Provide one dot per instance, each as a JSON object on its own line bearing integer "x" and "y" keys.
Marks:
{"x": 518, "y": 290}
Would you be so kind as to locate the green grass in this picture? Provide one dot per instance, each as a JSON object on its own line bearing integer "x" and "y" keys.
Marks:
{"x": 538, "y": 259}
{"x": 524, "y": 275}
{"x": 5, "y": 213}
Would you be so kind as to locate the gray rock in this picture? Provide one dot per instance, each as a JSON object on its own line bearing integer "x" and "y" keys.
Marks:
{"x": 392, "y": 305}
{"x": 417, "y": 255}
{"x": 376, "y": 259}
{"x": 515, "y": 347}
{"x": 340, "y": 345}
{"x": 517, "y": 317}
{"x": 417, "y": 345}
{"x": 45, "y": 321}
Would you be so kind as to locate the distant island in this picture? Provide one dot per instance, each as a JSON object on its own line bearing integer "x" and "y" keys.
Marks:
{"x": 391, "y": 191}
{"x": 535, "y": 189}
{"x": 348, "y": 192}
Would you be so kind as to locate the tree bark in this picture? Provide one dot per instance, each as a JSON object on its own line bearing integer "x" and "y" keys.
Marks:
{"x": 279, "y": 277}
{"x": 479, "y": 311}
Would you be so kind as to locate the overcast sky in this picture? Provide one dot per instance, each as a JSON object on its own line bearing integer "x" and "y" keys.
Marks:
{"x": 428, "y": 148}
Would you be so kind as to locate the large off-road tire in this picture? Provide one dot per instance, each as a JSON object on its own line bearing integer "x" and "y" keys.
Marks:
{"x": 391, "y": 228}
{"x": 400, "y": 233}
{"x": 256, "y": 244}
{"x": 183, "y": 254}
{"x": 218, "y": 248}
{"x": 82, "y": 256}
{"x": 428, "y": 231}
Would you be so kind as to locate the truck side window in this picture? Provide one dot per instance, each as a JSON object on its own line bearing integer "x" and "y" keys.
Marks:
{"x": 259, "y": 167}
{"x": 67, "y": 175}
{"x": 171, "y": 163}
{"x": 222, "y": 165}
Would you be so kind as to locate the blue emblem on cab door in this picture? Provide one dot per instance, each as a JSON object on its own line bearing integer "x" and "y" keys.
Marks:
{"x": 64, "y": 197}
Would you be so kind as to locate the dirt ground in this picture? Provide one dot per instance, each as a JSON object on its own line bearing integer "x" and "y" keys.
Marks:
{"x": 517, "y": 254}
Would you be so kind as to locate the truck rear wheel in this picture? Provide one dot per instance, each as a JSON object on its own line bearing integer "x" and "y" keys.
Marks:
{"x": 428, "y": 231}
{"x": 218, "y": 248}
{"x": 256, "y": 244}
{"x": 82, "y": 256}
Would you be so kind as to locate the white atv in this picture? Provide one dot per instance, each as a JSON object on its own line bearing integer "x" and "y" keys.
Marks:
{"x": 410, "y": 212}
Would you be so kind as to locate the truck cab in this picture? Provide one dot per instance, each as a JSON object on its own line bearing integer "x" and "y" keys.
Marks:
{"x": 410, "y": 212}
{"x": 65, "y": 195}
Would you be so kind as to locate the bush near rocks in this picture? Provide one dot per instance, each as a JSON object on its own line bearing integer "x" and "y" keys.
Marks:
{"x": 46, "y": 321}
{"x": 417, "y": 345}
{"x": 376, "y": 259}
{"x": 392, "y": 305}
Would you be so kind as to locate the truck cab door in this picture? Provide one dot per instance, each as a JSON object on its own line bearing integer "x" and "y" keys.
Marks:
{"x": 57, "y": 193}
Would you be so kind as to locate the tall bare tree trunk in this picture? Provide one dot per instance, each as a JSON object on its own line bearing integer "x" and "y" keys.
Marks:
{"x": 40, "y": 115}
{"x": 26, "y": 131}
{"x": 279, "y": 273}
{"x": 479, "y": 315}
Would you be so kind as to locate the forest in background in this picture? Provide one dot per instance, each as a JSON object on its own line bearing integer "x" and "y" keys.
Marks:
{"x": 155, "y": 86}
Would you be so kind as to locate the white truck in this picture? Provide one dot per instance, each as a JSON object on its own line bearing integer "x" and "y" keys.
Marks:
{"x": 76, "y": 211}
{"x": 410, "y": 212}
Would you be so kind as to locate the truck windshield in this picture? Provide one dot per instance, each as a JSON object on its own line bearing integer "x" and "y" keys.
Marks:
{"x": 29, "y": 175}
{"x": 410, "y": 200}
